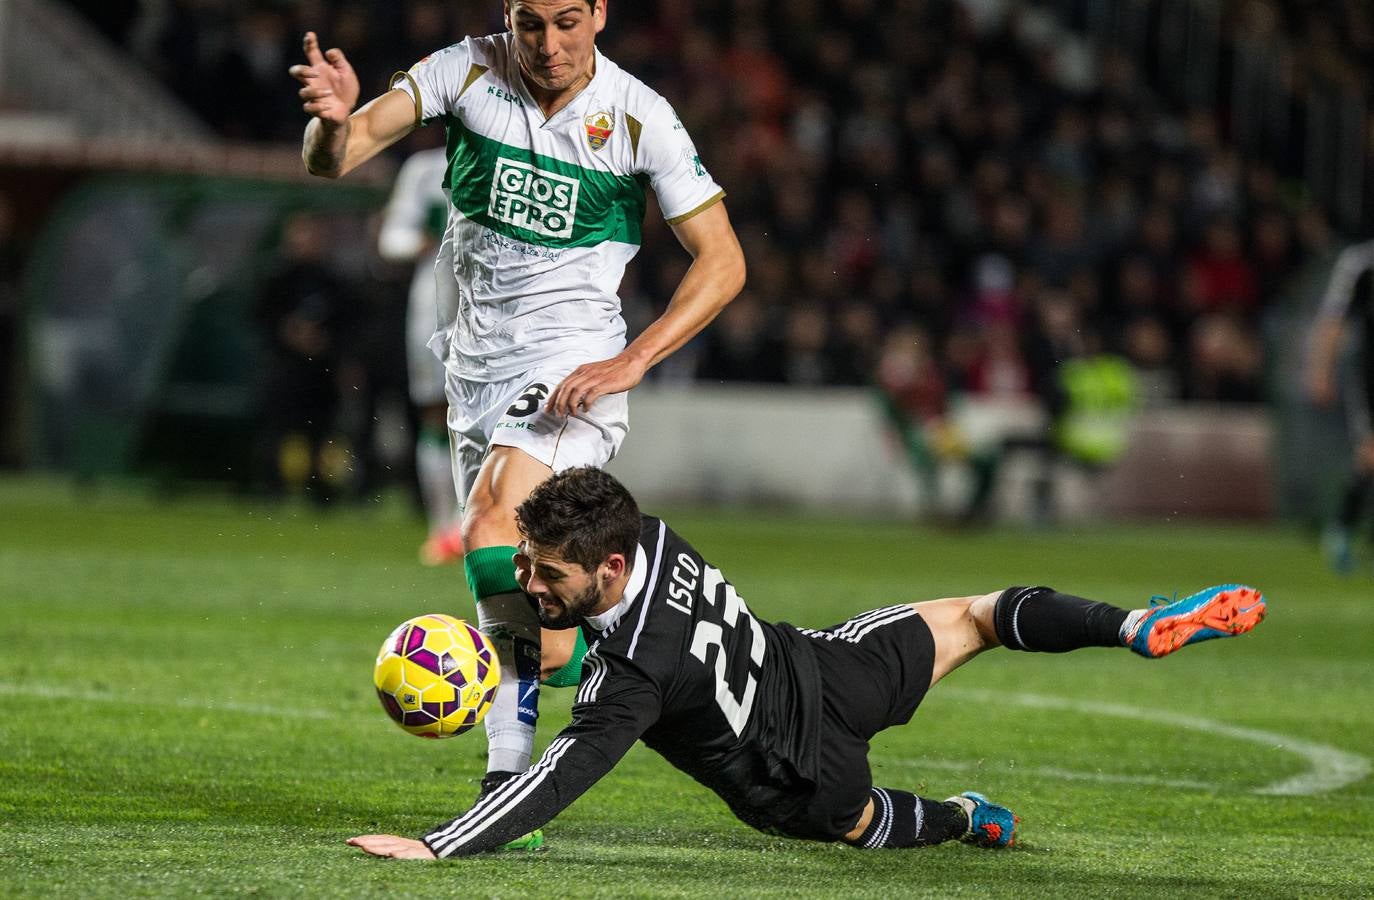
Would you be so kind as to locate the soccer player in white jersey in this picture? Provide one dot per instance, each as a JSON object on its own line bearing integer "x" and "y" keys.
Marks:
{"x": 413, "y": 225}
{"x": 550, "y": 145}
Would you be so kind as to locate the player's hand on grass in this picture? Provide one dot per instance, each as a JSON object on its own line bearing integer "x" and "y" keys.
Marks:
{"x": 390, "y": 845}
{"x": 585, "y": 384}
{"x": 329, "y": 86}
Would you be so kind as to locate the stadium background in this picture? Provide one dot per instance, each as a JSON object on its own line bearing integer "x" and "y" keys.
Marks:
{"x": 940, "y": 202}
{"x": 948, "y": 199}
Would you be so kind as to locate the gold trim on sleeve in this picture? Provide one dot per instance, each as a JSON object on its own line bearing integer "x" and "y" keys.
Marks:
{"x": 474, "y": 72}
{"x": 700, "y": 209}
{"x": 415, "y": 93}
{"x": 634, "y": 126}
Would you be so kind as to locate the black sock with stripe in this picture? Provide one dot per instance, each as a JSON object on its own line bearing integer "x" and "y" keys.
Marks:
{"x": 1042, "y": 620}
{"x": 901, "y": 820}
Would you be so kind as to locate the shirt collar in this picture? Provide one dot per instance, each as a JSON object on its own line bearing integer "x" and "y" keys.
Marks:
{"x": 638, "y": 575}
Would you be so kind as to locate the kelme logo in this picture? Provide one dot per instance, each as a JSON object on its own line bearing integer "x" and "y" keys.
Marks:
{"x": 530, "y": 198}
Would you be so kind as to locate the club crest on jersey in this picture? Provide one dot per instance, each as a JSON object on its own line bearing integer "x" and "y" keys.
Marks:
{"x": 599, "y": 126}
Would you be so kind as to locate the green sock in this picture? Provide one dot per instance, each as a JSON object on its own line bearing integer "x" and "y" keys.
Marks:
{"x": 571, "y": 674}
{"x": 490, "y": 571}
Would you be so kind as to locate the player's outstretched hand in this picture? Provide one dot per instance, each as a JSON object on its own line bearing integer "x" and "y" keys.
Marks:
{"x": 329, "y": 86}
{"x": 391, "y": 846}
{"x": 584, "y": 384}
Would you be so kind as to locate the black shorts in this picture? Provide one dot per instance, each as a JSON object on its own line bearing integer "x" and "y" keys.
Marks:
{"x": 875, "y": 669}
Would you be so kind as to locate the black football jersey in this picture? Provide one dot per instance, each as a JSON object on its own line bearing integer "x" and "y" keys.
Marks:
{"x": 682, "y": 664}
{"x": 1350, "y": 294}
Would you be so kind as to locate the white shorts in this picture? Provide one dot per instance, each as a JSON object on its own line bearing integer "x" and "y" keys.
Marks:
{"x": 432, "y": 288}
{"x": 511, "y": 413}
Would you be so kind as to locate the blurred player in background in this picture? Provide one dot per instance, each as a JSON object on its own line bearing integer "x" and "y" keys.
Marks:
{"x": 412, "y": 230}
{"x": 550, "y": 146}
{"x": 1349, "y": 295}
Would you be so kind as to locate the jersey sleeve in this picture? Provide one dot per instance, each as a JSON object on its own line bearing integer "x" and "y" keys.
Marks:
{"x": 436, "y": 82}
{"x": 614, "y": 706}
{"x": 668, "y": 157}
{"x": 1352, "y": 265}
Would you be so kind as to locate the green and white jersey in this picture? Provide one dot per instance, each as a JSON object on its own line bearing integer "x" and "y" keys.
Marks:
{"x": 546, "y": 213}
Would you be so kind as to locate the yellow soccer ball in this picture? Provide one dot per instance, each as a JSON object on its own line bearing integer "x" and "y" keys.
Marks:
{"x": 436, "y": 675}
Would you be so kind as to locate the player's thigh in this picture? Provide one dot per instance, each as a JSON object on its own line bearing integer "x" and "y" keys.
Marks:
{"x": 505, "y": 479}
{"x": 587, "y": 438}
{"x": 488, "y": 482}
{"x": 960, "y": 627}
{"x": 876, "y": 667}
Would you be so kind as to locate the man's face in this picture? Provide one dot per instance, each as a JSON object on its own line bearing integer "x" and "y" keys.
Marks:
{"x": 566, "y": 592}
{"x": 556, "y": 40}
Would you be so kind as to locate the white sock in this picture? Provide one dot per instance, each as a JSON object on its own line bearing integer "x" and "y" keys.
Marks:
{"x": 513, "y": 626}
{"x": 434, "y": 471}
{"x": 1132, "y": 620}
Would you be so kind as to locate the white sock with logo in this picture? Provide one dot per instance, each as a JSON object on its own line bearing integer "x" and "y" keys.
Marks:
{"x": 513, "y": 626}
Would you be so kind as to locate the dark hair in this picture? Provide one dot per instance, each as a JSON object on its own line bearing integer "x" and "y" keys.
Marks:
{"x": 590, "y": 3}
{"x": 582, "y": 515}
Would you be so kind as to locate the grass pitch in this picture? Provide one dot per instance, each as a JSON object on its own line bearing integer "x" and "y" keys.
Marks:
{"x": 186, "y": 708}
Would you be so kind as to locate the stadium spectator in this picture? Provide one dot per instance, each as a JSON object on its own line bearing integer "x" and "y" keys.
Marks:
{"x": 304, "y": 316}
{"x": 779, "y": 725}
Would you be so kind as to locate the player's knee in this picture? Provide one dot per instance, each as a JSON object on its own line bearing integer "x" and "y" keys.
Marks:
{"x": 552, "y": 660}
{"x": 555, "y": 651}
{"x": 485, "y": 523}
{"x": 982, "y": 611}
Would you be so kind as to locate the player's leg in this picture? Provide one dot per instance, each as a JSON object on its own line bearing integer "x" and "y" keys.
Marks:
{"x": 887, "y": 659}
{"x": 1338, "y": 537}
{"x": 434, "y": 471}
{"x": 1037, "y": 619}
{"x": 504, "y": 612}
{"x": 1365, "y": 465}
{"x": 425, "y": 375}
{"x": 1043, "y": 620}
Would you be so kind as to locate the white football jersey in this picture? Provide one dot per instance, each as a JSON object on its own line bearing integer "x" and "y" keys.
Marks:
{"x": 546, "y": 213}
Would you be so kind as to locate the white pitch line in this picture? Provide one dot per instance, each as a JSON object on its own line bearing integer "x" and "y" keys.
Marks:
{"x": 1330, "y": 769}
{"x": 950, "y": 765}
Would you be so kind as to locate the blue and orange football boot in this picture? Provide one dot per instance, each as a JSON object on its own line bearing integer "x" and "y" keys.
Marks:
{"x": 1222, "y": 611}
{"x": 989, "y": 825}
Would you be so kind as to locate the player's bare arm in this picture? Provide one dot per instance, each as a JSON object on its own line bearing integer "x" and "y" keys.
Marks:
{"x": 393, "y": 846}
{"x": 714, "y": 278}
{"x": 1321, "y": 366}
{"x": 338, "y": 140}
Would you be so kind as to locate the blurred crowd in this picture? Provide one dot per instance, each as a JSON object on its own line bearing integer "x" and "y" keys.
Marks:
{"x": 922, "y": 200}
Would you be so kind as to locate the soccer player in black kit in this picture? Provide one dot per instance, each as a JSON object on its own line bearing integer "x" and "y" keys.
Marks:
{"x": 1349, "y": 296}
{"x": 775, "y": 719}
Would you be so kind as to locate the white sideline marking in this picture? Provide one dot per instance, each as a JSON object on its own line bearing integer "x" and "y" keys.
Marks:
{"x": 950, "y": 765}
{"x": 1330, "y": 768}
